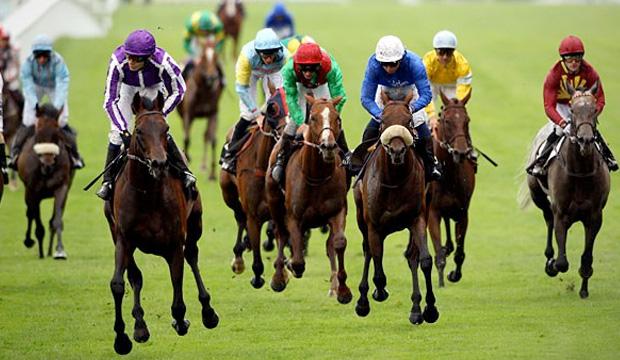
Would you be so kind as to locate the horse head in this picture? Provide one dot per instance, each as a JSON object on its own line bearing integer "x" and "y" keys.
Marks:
{"x": 149, "y": 140}
{"x": 276, "y": 111}
{"x": 397, "y": 134}
{"x": 454, "y": 127}
{"x": 324, "y": 126}
{"x": 48, "y": 139}
{"x": 206, "y": 67}
{"x": 583, "y": 107}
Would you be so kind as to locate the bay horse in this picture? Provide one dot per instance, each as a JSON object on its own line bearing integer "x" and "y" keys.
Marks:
{"x": 44, "y": 166}
{"x": 245, "y": 193}
{"x": 576, "y": 187}
{"x": 150, "y": 212}
{"x": 12, "y": 117}
{"x": 315, "y": 194}
{"x": 232, "y": 13}
{"x": 202, "y": 97}
{"x": 450, "y": 197}
{"x": 391, "y": 197}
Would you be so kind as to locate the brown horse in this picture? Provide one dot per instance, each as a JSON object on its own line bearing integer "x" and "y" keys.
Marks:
{"x": 149, "y": 211}
{"x": 315, "y": 194}
{"x": 450, "y": 197}
{"x": 245, "y": 193}
{"x": 231, "y": 13}
{"x": 44, "y": 167}
{"x": 390, "y": 197}
{"x": 12, "y": 116}
{"x": 576, "y": 187}
{"x": 204, "y": 89}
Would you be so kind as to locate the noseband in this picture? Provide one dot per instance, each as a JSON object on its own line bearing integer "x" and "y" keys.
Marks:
{"x": 447, "y": 144}
{"x": 148, "y": 163}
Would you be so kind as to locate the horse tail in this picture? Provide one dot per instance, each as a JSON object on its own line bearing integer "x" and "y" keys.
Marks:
{"x": 523, "y": 195}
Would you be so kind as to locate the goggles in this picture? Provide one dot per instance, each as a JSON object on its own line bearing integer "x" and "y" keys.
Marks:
{"x": 391, "y": 64}
{"x": 41, "y": 53}
{"x": 268, "y": 52}
{"x": 445, "y": 51}
{"x": 309, "y": 67}
{"x": 572, "y": 58}
{"x": 137, "y": 58}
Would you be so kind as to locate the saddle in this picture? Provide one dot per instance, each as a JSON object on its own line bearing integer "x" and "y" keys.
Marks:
{"x": 552, "y": 154}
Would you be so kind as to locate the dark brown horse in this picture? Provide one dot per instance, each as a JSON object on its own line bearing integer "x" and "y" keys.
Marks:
{"x": 12, "y": 116}
{"x": 315, "y": 194}
{"x": 231, "y": 13}
{"x": 245, "y": 193}
{"x": 450, "y": 197}
{"x": 390, "y": 197}
{"x": 576, "y": 187}
{"x": 150, "y": 212}
{"x": 44, "y": 167}
{"x": 204, "y": 89}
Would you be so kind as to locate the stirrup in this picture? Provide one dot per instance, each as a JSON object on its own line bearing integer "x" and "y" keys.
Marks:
{"x": 105, "y": 191}
{"x": 5, "y": 175}
{"x": 189, "y": 180}
{"x": 612, "y": 165}
{"x": 77, "y": 163}
{"x": 12, "y": 164}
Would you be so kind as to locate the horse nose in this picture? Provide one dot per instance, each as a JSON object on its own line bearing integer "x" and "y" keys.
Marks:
{"x": 158, "y": 163}
{"x": 328, "y": 146}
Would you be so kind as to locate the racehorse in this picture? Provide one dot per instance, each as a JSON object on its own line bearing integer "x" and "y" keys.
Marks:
{"x": 450, "y": 197}
{"x": 231, "y": 13}
{"x": 576, "y": 187}
{"x": 204, "y": 88}
{"x": 150, "y": 211}
{"x": 12, "y": 116}
{"x": 390, "y": 197}
{"x": 245, "y": 193}
{"x": 44, "y": 166}
{"x": 315, "y": 194}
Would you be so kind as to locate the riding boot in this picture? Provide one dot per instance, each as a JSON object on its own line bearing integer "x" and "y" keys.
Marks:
{"x": 105, "y": 191}
{"x": 76, "y": 159}
{"x": 229, "y": 151}
{"x": 536, "y": 168}
{"x": 612, "y": 164}
{"x": 5, "y": 174}
{"x": 21, "y": 135}
{"x": 18, "y": 97}
{"x": 278, "y": 171}
{"x": 178, "y": 162}
{"x": 370, "y": 133}
{"x": 431, "y": 166}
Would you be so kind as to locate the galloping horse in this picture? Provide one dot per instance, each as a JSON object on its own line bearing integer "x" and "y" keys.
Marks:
{"x": 44, "y": 167}
{"x": 451, "y": 195}
{"x": 231, "y": 13}
{"x": 204, "y": 88}
{"x": 149, "y": 211}
{"x": 245, "y": 193}
{"x": 315, "y": 194}
{"x": 576, "y": 187}
{"x": 390, "y": 197}
{"x": 12, "y": 116}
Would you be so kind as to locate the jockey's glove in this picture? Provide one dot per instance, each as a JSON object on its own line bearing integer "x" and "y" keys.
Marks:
{"x": 126, "y": 137}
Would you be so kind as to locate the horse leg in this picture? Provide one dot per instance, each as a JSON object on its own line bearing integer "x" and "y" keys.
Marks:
{"x": 33, "y": 212}
{"x": 280, "y": 276}
{"x": 134, "y": 275}
{"x": 418, "y": 233}
{"x": 412, "y": 255}
{"x": 52, "y": 233}
{"x": 122, "y": 344}
{"x": 257, "y": 262}
{"x": 297, "y": 264}
{"x": 175, "y": 264}
{"x": 449, "y": 247}
{"x": 459, "y": 255}
{"x": 338, "y": 244}
{"x": 362, "y": 308}
{"x": 549, "y": 252}
{"x": 209, "y": 138}
{"x": 187, "y": 126}
{"x": 561, "y": 229}
{"x": 375, "y": 244}
{"x": 56, "y": 224}
{"x": 268, "y": 244}
{"x": 585, "y": 271}
{"x": 434, "y": 228}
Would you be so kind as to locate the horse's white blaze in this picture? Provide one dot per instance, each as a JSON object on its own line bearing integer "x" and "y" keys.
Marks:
{"x": 209, "y": 53}
{"x": 46, "y": 148}
{"x": 231, "y": 9}
{"x": 326, "y": 125}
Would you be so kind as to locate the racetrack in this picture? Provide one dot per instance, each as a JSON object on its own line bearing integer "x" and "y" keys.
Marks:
{"x": 504, "y": 307}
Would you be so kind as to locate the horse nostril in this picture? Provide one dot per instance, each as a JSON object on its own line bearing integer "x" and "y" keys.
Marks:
{"x": 158, "y": 164}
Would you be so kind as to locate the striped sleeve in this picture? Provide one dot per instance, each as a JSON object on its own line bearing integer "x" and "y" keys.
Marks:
{"x": 112, "y": 95}
{"x": 174, "y": 83}
{"x": 463, "y": 81}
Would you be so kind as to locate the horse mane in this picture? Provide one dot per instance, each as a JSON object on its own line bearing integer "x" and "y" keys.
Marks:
{"x": 148, "y": 103}
{"x": 48, "y": 110}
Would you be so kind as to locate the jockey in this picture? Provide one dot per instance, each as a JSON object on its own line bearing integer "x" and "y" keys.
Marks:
{"x": 292, "y": 43}
{"x": 44, "y": 73}
{"x": 199, "y": 26}
{"x": 281, "y": 21}
{"x": 9, "y": 67}
{"x": 397, "y": 71}
{"x": 574, "y": 70}
{"x": 261, "y": 58}
{"x": 447, "y": 70}
{"x": 311, "y": 71}
{"x": 3, "y": 170}
{"x": 139, "y": 66}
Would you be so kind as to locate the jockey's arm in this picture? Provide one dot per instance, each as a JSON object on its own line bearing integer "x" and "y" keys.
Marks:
{"x": 463, "y": 81}
{"x": 28, "y": 87}
{"x": 243, "y": 72}
{"x": 422, "y": 85}
{"x": 336, "y": 85}
{"x": 112, "y": 95}
{"x": 369, "y": 90}
{"x": 289, "y": 81}
{"x": 187, "y": 42}
{"x": 62, "y": 84}
{"x": 550, "y": 91}
{"x": 174, "y": 83}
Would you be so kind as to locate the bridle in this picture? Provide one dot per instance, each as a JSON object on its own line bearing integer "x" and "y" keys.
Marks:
{"x": 148, "y": 163}
{"x": 448, "y": 144}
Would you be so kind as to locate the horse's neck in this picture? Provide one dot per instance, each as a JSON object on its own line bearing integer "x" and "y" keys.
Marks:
{"x": 395, "y": 174}
{"x": 312, "y": 163}
{"x": 264, "y": 146}
{"x": 140, "y": 180}
{"x": 575, "y": 163}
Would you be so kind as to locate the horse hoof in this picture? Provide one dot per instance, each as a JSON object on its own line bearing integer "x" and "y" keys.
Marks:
{"x": 210, "y": 318}
{"x": 278, "y": 286}
{"x": 550, "y": 268}
{"x": 454, "y": 276}
{"x": 238, "y": 267}
{"x": 430, "y": 314}
{"x": 362, "y": 309}
{"x": 60, "y": 255}
{"x": 584, "y": 294}
{"x": 182, "y": 328}
{"x": 141, "y": 335}
{"x": 324, "y": 229}
{"x": 29, "y": 243}
{"x": 345, "y": 296}
{"x": 561, "y": 266}
{"x": 380, "y": 295}
{"x": 257, "y": 282}
{"x": 122, "y": 344}
{"x": 268, "y": 245}
{"x": 415, "y": 318}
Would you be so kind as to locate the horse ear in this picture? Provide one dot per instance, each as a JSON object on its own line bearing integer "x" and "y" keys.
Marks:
{"x": 136, "y": 103}
{"x": 594, "y": 88}
{"x": 271, "y": 86}
{"x": 466, "y": 98}
{"x": 336, "y": 100}
{"x": 59, "y": 113}
{"x": 409, "y": 97}
{"x": 444, "y": 98}
{"x": 310, "y": 99}
{"x": 159, "y": 101}
{"x": 570, "y": 88}
{"x": 37, "y": 110}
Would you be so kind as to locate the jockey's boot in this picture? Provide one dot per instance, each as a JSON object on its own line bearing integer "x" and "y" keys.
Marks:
{"x": 612, "y": 164}
{"x": 346, "y": 153}
{"x": 18, "y": 97}
{"x": 5, "y": 174}
{"x": 370, "y": 133}
{"x": 279, "y": 168}
{"x": 21, "y": 135}
{"x": 178, "y": 161}
{"x": 229, "y": 151}
{"x": 423, "y": 146}
{"x": 536, "y": 168}
{"x": 105, "y": 191}
{"x": 76, "y": 159}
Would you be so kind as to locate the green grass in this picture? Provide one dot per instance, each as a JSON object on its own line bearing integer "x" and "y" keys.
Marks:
{"x": 504, "y": 307}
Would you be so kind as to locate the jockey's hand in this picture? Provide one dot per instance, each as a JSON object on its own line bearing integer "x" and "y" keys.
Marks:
{"x": 563, "y": 123}
{"x": 126, "y": 137}
{"x": 255, "y": 113}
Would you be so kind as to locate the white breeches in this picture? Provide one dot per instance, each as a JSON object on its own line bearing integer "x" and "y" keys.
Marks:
{"x": 276, "y": 79}
{"x": 419, "y": 116}
{"x": 30, "y": 116}
{"x": 126, "y": 94}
